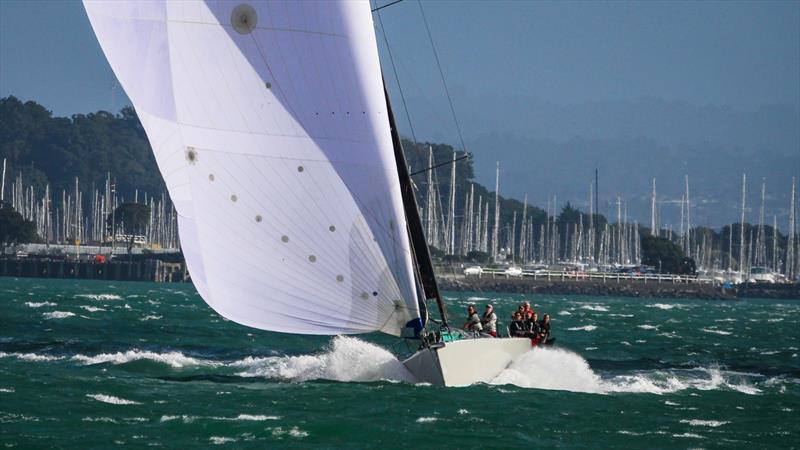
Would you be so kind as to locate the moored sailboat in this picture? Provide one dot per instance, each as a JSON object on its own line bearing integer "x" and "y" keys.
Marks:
{"x": 271, "y": 126}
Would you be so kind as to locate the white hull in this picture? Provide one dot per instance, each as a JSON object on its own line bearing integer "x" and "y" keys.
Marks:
{"x": 466, "y": 362}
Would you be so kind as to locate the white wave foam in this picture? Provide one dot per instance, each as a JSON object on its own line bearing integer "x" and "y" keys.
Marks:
{"x": 426, "y": 419}
{"x": 36, "y": 358}
{"x": 58, "y": 315}
{"x": 185, "y": 418}
{"x": 595, "y": 308}
{"x": 647, "y": 327}
{"x": 255, "y": 417}
{"x": 100, "y": 296}
{"x": 293, "y": 432}
{"x": 92, "y": 308}
{"x": 688, "y": 435}
{"x": 99, "y": 419}
{"x": 463, "y": 412}
{"x": 666, "y": 306}
{"x": 39, "y": 304}
{"x": 173, "y": 359}
{"x": 551, "y": 369}
{"x": 583, "y": 328}
{"x": 715, "y": 331}
{"x": 347, "y": 359}
{"x": 559, "y": 369}
{"x": 705, "y": 423}
{"x": 7, "y": 390}
{"x": 150, "y": 317}
{"x": 112, "y": 400}
{"x": 666, "y": 382}
{"x": 564, "y": 313}
{"x": 219, "y": 440}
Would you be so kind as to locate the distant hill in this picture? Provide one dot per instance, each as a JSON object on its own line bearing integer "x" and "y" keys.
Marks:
{"x": 548, "y": 149}
{"x": 55, "y": 150}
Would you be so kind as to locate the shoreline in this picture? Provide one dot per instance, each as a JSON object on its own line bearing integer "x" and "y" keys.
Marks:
{"x": 618, "y": 288}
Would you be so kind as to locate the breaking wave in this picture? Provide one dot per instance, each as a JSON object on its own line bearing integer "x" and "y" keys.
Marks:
{"x": 555, "y": 369}
{"x": 58, "y": 315}
{"x": 172, "y": 359}
{"x": 100, "y": 296}
{"x": 91, "y": 308}
{"x": 559, "y": 369}
{"x": 595, "y": 308}
{"x": 347, "y": 359}
{"x": 112, "y": 400}
{"x": 666, "y": 306}
{"x": 715, "y": 331}
{"x": 583, "y": 328}
{"x": 39, "y": 304}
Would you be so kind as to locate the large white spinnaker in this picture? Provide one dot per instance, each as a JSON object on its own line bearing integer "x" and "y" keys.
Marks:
{"x": 269, "y": 124}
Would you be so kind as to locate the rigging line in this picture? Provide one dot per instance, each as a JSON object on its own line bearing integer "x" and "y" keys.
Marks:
{"x": 386, "y": 5}
{"x": 400, "y": 88}
{"x": 441, "y": 73}
{"x": 466, "y": 155}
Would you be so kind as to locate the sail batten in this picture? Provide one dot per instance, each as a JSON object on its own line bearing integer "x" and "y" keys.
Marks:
{"x": 269, "y": 125}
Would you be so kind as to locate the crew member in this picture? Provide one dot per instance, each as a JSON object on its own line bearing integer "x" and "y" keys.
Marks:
{"x": 544, "y": 328}
{"x": 533, "y": 326}
{"x": 489, "y": 321}
{"x": 517, "y": 326}
{"x": 473, "y": 322}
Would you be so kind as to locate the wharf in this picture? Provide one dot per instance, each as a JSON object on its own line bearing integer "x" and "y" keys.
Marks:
{"x": 120, "y": 269}
{"x": 616, "y": 287}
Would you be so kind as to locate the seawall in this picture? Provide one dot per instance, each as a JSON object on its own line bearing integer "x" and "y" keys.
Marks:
{"x": 617, "y": 288}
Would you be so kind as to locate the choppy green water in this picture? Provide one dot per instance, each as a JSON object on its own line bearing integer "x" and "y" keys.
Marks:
{"x": 99, "y": 365}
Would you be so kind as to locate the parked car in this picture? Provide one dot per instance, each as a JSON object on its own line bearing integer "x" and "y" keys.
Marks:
{"x": 473, "y": 270}
{"x": 513, "y": 271}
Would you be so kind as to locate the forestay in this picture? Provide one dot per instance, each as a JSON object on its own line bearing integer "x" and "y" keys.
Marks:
{"x": 269, "y": 125}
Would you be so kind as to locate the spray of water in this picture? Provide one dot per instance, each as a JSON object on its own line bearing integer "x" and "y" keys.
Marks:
{"x": 347, "y": 359}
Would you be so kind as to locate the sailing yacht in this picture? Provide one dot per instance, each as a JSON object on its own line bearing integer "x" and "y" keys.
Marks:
{"x": 273, "y": 131}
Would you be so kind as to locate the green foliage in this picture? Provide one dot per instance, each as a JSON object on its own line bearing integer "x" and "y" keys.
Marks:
{"x": 132, "y": 217}
{"x": 665, "y": 256}
{"x": 55, "y": 150}
{"x": 479, "y": 257}
{"x": 14, "y": 229}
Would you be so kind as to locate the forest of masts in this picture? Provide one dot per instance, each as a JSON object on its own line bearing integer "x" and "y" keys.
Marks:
{"x": 73, "y": 216}
{"x": 477, "y": 228}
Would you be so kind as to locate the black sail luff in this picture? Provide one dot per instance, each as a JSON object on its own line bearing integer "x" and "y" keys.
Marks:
{"x": 419, "y": 245}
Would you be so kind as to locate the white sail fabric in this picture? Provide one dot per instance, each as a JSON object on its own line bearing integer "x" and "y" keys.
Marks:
{"x": 269, "y": 124}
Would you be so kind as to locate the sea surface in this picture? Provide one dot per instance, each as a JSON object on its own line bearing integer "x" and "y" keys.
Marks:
{"x": 99, "y": 365}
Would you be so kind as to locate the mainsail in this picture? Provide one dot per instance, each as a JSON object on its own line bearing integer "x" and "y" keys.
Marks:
{"x": 269, "y": 125}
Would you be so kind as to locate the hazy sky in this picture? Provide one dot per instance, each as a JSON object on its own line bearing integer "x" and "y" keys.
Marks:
{"x": 742, "y": 54}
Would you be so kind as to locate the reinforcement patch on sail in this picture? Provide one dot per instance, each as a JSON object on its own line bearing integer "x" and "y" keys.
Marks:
{"x": 269, "y": 125}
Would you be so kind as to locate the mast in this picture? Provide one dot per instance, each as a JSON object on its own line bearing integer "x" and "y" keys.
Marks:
{"x": 790, "y": 242}
{"x": 688, "y": 220}
{"x": 419, "y": 247}
{"x": 495, "y": 233}
{"x": 653, "y": 225}
{"x": 760, "y": 253}
{"x": 741, "y": 224}
{"x": 3, "y": 182}
{"x": 450, "y": 245}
